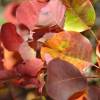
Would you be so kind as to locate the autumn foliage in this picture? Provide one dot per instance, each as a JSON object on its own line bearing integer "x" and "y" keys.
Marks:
{"x": 42, "y": 47}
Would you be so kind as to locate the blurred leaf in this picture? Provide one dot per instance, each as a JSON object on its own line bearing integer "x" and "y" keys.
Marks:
{"x": 29, "y": 10}
{"x": 80, "y": 15}
{"x": 2, "y": 21}
{"x": 94, "y": 95}
{"x": 43, "y": 98}
{"x": 49, "y": 17}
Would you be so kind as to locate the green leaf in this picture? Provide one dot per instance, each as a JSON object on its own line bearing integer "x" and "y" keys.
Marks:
{"x": 2, "y": 21}
{"x": 80, "y": 15}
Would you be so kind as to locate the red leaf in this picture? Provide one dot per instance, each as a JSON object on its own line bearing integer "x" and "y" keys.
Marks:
{"x": 64, "y": 80}
{"x": 30, "y": 68}
{"x": 38, "y": 33}
{"x": 28, "y": 11}
{"x": 10, "y": 13}
{"x": 43, "y": 1}
{"x": 11, "y": 40}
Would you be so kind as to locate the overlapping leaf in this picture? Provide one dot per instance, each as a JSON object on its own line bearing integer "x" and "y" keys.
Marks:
{"x": 28, "y": 12}
{"x": 26, "y": 52}
{"x": 10, "y": 12}
{"x": 48, "y": 54}
{"x": 80, "y": 15}
{"x": 64, "y": 80}
{"x": 30, "y": 68}
{"x": 66, "y": 46}
{"x": 9, "y": 37}
{"x": 52, "y": 14}
{"x": 94, "y": 95}
{"x": 71, "y": 44}
{"x": 98, "y": 52}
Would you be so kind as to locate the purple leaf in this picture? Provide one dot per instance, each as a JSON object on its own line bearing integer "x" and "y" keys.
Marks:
{"x": 64, "y": 80}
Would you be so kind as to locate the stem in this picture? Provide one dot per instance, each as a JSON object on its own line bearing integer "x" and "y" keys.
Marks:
{"x": 92, "y": 76}
{"x": 94, "y": 35}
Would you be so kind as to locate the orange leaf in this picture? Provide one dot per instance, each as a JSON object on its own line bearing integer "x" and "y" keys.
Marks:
{"x": 80, "y": 64}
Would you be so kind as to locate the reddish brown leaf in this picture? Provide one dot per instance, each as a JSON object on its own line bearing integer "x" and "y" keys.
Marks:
{"x": 30, "y": 68}
{"x": 43, "y": 1}
{"x": 6, "y": 75}
{"x": 64, "y": 80}
{"x": 94, "y": 93}
{"x": 69, "y": 46}
{"x": 10, "y": 59}
{"x": 43, "y": 30}
{"x": 11, "y": 40}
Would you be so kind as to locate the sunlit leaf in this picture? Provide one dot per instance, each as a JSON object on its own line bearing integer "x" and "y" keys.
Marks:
{"x": 71, "y": 44}
{"x": 80, "y": 64}
{"x": 26, "y": 52}
{"x": 10, "y": 12}
{"x": 52, "y": 14}
{"x": 80, "y": 15}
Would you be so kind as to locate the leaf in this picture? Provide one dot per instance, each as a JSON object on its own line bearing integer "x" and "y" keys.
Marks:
{"x": 9, "y": 37}
{"x": 98, "y": 52}
{"x": 52, "y": 14}
{"x": 66, "y": 46}
{"x": 64, "y": 80}
{"x": 9, "y": 61}
{"x": 10, "y": 12}
{"x": 82, "y": 97}
{"x": 80, "y": 15}
{"x": 30, "y": 67}
{"x": 71, "y": 44}
{"x": 39, "y": 33}
{"x": 30, "y": 55}
{"x": 48, "y": 54}
{"x": 29, "y": 10}
{"x": 94, "y": 93}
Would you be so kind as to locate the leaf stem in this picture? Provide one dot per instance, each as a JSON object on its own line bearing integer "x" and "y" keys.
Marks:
{"x": 94, "y": 35}
{"x": 92, "y": 76}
